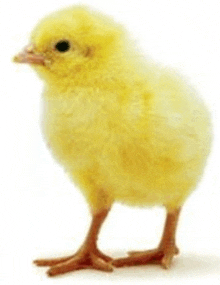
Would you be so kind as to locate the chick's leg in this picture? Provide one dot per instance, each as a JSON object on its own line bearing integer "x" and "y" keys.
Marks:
{"x": 165, "y": 251}
{"x": 88, "y": 256}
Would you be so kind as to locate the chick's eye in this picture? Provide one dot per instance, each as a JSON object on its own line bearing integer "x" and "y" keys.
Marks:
{"x": 62, "y": 46}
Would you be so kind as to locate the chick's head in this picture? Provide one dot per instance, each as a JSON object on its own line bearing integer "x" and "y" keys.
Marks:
{"x": 72, "y": 43}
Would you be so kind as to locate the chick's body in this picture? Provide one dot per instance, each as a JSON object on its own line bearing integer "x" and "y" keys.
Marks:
{"x": 141, "y": 142}
{"x": 125, "y": 131}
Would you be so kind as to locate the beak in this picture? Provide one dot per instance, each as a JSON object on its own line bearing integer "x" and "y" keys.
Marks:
{"x": 29, "y": 56}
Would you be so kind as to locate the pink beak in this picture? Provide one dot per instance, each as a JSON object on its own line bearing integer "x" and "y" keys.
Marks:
{"x": 29, "y": 56}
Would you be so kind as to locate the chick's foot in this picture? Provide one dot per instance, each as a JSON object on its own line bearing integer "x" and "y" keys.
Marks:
{"x": 81, "y": 260}
{"x": 88, "y": 256}
{"x": 162, "y": 256}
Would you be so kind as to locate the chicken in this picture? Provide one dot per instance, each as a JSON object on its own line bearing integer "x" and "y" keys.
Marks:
{"x": 124, "y": 130}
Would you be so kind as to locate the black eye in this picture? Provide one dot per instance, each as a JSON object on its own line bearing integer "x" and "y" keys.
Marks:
{"x": 62, "y": 46}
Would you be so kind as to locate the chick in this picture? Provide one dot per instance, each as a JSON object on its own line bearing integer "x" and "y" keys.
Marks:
{"x": 124, "y": 130}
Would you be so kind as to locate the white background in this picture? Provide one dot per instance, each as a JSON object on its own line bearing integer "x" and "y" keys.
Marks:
{"x": 42, "y": 215}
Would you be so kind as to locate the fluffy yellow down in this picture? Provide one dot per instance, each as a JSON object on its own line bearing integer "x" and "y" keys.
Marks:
{"x": 125, "y": 131}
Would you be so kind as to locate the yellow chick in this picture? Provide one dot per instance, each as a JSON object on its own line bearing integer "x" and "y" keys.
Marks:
{"x": 124, "y": 130}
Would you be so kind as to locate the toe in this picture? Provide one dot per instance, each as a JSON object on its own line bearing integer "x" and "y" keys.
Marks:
{"x": 51, "y": 262}
{"x": 143, "y": 253}
{"x": 166, "y": 261}
{"x": 100, "y": 264}
{"x": 70, "y": 265}
{"x": 139, "y": 259}
{"x": 103, "y": 256}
